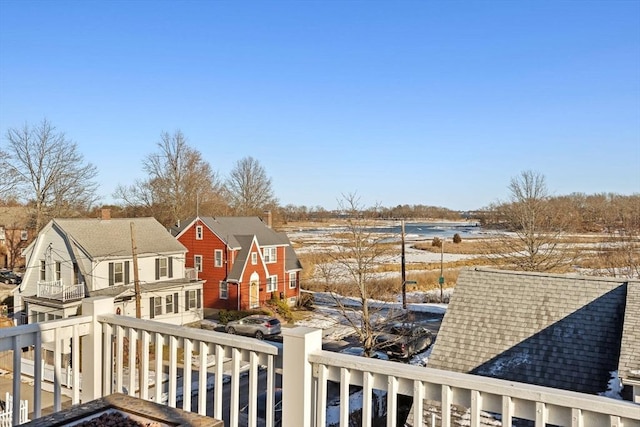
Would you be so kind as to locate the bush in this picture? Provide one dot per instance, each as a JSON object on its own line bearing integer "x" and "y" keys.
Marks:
{"x": 436, "y": 242}
{"x": 457, "y": 238}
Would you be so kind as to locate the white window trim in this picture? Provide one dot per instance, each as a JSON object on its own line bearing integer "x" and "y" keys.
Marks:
{"x": 199, "y": 232}
{"x": 293, "y": 280}
{"x": 224, "y": 290}
{"x": 115, "y": 281}
{"x": 254, "y": 258}
{"x": 157, "y": 306}
{"x": 197, "y": 265}
{"x": 163, "y": 270}
{"x": 270, "y": 255}
{"x": 166, "y": 303}
{"x": 192, "y": 294}
{"x": 272, "y": 283}
{"x": 217, "y": 262}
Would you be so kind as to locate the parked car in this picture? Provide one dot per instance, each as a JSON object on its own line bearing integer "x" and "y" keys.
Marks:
{"x": 359, "y": 351}
{"x": 9, "y": 277}
{"x": 243, "y": 418}
{"x": 403, "y": 340}
{"x": 256, "y": 325}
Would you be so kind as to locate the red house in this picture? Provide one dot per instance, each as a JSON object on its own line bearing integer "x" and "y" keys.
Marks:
{"x": 242, "y": 260}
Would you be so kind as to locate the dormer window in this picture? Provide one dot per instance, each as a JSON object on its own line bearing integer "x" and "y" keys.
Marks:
{"x": 198, "y": 232}
{"x": 254, "y": 258}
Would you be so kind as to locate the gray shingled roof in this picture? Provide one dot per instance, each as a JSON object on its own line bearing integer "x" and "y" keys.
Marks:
{"x": 551, "y": 330}
{"x": 112, "y": 238}
{"x": 227, "y": 228}
{"x": 630, "y": 351}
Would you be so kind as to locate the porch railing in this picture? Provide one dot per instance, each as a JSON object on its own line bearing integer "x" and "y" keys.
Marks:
{"x": 172, "y": 361}
{"x": 59, "y": 291}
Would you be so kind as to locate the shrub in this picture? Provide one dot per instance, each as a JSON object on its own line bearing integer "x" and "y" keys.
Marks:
{"x": 457, "y": 238}
{"x": 436, "y": 242}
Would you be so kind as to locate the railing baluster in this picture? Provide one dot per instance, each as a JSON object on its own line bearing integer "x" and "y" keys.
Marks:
{"x": 17, "y": 379}
{"x": 75, "y": 364}
{"x": 367, "y": 397}
{"x": 132, "y": 336}
{"x": 57, "y": 372}
{"x": 576, "y": 418}
{"x": 202, "y": 378}
{"x": 253, "y": 391}
{"x": 345, "y": 381}
{"x": 476, "y": 405}
{"x": 507, "y": 411}
{"x": 186, "y": 374}
{"x": 37, "y": 376}
{"x": 144, "y": 361}
{"x": 321, "y": 407}
{"x": 119, "y": 356}
{"x": 219, "y": 378}
{"x": 107, "y": 350}
{"x": 418, "y": 403}
{"x": 159, "y": 342}
{"x": 392, "y": 400}
{"x": 271, "y": 386}
{"x": 446, "y": 396}
{"x": 235, "y": 386}
{"x": 173, "y": 370}
{"x": 541, "y": 414}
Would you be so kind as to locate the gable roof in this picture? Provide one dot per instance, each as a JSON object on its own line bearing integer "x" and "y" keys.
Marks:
{"x": 112, "y": 238}
{"x": 551, "y": 330}
{"x": 229, "y": 228}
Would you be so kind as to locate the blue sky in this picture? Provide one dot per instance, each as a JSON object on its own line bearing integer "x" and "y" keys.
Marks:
{"x": 404, "y": 102}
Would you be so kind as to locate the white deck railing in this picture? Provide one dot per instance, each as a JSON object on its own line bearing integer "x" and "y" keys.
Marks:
{"x": 173, "y": 356}
{"x": 57, "y": 290}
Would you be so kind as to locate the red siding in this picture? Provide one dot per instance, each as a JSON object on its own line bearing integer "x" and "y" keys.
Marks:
{"x": 213, "y": 275}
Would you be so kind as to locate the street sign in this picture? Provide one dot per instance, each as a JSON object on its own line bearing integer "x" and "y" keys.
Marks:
{"x": 441, "y": 280}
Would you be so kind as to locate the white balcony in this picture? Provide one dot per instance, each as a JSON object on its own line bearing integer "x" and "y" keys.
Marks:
{"x": 60, "y": 291}
{"x": 172, "y": 357}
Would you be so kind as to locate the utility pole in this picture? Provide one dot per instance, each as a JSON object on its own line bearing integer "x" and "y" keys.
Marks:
{"x": 404, "y": 274}
{"x": 441, "y": 279}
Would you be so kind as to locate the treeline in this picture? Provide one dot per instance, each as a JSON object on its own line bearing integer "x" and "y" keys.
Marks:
{"x": 292, "y": 212}
{"x": 577, "y": 213}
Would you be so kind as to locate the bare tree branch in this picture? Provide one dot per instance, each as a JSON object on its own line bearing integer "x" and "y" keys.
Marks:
{"x": 249, "y": 187}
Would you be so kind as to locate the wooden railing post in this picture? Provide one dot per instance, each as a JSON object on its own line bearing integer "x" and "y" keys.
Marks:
{"x": 298, "y": 397}
{"x": 92, "y": 363}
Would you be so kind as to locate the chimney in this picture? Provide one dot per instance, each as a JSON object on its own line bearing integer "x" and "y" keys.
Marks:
{"x": 268, "y": 218}
{"x": 106, "y": 214}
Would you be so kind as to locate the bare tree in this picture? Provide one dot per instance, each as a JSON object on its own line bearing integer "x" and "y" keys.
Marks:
{"x": 349, "y": 269}
{"x": 179, "y": 182}
{"x": 45, "y": 168}
{"x": 249, "y": 188}
{"x": 536, "y": 233}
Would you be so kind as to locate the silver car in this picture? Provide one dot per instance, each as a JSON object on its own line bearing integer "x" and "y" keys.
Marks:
{"x": 256, "y": 325}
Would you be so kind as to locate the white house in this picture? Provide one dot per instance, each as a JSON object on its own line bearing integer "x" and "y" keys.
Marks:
{"x": 76, "y": 258}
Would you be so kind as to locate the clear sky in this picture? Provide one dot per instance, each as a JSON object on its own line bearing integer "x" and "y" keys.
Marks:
{"x": 404, "y": 102}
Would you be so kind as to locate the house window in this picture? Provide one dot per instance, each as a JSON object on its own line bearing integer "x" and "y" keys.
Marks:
{"x": 162, "y": 265}
{"x": 157, "y": 306}
{"x": 217, "y": 258}
{"x": 198, "y": 232}
{"x": 224, "y": 290}
{"x": 197, "y": 262}
{"x": 24, "y": 235}
{"x": 272, "y": 284}
{"x": 254, "y": 258}
{"x": 292, "y": 280}
{"x": 58, "y": 270}
{"x": 169, "y": 303}
{"x": 118, "y": 273}
{"x": 269, "y": 255}
{"x": 193, "y": 299}
{"x": 43, "y": 270}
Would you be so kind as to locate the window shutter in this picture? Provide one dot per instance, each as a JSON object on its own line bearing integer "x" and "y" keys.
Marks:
{"x": 175, "y": 302}
{"x": 152, "y": 306}
{"x": 126, "y": 272}
{"x": 110, "y": 274}
{"x": 170, "y": 262}
{"x": 186, "y": 301}
{"x": 198, "y": 295}
{"x": 157, "y": 268}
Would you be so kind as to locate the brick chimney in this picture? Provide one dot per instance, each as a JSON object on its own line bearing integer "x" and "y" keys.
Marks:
{"x": 105, "y": 214}
{"x": 268, "y": 218}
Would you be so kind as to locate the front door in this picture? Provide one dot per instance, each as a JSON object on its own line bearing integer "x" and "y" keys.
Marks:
{"x": 254, "y": 291}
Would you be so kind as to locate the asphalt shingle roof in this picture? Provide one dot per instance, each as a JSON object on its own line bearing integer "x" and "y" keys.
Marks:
{"x": 112, "y": 238}
{"x": 630, "y": 351}
{"x": 552, "y": 330}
